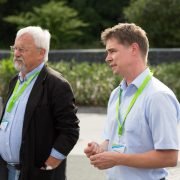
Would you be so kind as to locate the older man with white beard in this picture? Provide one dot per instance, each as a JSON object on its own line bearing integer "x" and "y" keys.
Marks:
{"x": 38, "y": 127}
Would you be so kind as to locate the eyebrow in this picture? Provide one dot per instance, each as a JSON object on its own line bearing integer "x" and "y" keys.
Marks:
{"x": 110, "y": 49}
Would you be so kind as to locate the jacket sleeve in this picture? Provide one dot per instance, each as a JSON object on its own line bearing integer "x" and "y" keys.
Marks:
{"x": 63, "y": 110}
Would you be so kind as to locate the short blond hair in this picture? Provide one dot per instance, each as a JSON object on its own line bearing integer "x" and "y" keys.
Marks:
{"x": 126, "y": 34}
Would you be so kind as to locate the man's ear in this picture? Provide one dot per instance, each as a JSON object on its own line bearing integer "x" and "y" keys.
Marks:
{"x": 134, "y": 48}
{"x": 42, "y": 53}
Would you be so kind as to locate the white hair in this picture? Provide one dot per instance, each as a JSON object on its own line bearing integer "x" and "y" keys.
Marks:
{"x": 41, "y": 37}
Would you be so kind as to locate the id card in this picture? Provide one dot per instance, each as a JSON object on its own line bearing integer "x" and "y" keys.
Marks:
{"x": 4, "y": 125}
{"x": 118, "y": 148}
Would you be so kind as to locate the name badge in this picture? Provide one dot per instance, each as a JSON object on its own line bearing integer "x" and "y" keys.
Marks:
{"x": 119, "y": 148}
{"x": 4, "y": 125}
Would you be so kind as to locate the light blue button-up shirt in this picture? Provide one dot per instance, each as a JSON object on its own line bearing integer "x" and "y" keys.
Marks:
{"x": 10, "y": 138}
{"x": 151, "y": 124}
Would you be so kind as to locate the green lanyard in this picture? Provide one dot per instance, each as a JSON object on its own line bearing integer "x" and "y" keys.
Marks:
{"x": 16, "y": 94}
{"x": 136, "y": 95}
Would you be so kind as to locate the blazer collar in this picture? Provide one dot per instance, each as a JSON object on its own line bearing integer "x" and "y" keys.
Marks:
{"x": 34, "y": 98}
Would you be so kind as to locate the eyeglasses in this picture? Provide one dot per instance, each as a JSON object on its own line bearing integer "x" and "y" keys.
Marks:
{"x": 21, "y": 50}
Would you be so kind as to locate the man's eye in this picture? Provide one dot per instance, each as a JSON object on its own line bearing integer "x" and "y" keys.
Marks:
{"x": 21, "y": 49}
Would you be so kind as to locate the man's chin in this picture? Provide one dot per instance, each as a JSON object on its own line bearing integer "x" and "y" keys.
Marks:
{"x": 19, "y": 68}
{"x": 114, "y": 72}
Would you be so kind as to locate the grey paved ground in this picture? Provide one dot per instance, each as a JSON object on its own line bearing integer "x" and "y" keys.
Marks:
{"x": 91, "y": 124}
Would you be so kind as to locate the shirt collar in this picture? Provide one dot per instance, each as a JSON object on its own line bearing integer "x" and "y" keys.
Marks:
{"x": 137, "y": 81}
{"x": 28, "y": 75}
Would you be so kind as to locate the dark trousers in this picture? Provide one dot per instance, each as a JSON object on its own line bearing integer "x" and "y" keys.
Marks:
{"x": 3, "y": 170}
{"x": 60, "y": 172}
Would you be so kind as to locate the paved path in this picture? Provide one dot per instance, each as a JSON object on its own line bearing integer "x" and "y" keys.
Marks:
{"x": 91, "y": 124}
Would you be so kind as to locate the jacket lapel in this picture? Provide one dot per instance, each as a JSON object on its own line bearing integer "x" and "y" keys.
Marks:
{"x": 34, "y": 98}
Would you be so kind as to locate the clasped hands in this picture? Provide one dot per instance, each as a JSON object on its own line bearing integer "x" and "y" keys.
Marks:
{"x": 100, "y": 158}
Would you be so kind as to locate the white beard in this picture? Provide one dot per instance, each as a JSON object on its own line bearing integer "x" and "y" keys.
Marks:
{"x": 19, "y": 65}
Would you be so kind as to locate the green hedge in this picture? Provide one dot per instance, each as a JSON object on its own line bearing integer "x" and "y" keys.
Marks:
{"x": 93, "y": 82}
{"x": 7, "y": 71}
{"x": 170, "y": 75}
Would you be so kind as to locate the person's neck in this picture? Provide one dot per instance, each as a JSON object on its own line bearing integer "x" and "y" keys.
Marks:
{"x": 26, "y": 71}
{"x": 23, "y": 74}
{"x": 133, "y": 72}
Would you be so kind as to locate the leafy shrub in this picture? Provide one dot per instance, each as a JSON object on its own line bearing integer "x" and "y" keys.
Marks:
{"x": 92, "y": 83}
{"x": 169, "y": 74}
{"x": 7, "y": 71}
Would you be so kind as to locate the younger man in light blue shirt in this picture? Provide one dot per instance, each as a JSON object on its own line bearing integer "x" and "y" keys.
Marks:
{"x": 141, "y": 131}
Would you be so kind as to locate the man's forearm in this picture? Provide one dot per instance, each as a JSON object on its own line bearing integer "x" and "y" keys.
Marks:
{"x": 151, "y": 159}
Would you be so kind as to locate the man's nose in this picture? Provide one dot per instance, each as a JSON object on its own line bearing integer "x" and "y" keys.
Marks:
{"x": 17, "y": 53}
{"x": 108, "y": 58}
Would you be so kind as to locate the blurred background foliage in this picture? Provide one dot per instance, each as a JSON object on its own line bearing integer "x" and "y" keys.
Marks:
{"x": 59, "y": 19}
{"x": 72, "y": 23}
{"x": 77, "y": 24}
{"x": 160, "y": 19}
{"x": 92, "y": 83}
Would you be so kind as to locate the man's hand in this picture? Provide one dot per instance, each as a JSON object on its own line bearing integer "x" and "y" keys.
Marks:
{"x": 105, "y": 160}
{"x": 92, "y": 149}
{"x": 53, "y": 162}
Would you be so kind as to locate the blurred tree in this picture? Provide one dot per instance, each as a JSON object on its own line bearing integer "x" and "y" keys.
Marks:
{"x": 99, "y": 14}
{"x": 11, "y": 7}
{"x": 61, "y": 20}
{"x": 160, "y": 19}
{"x": 2, "y": 1}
